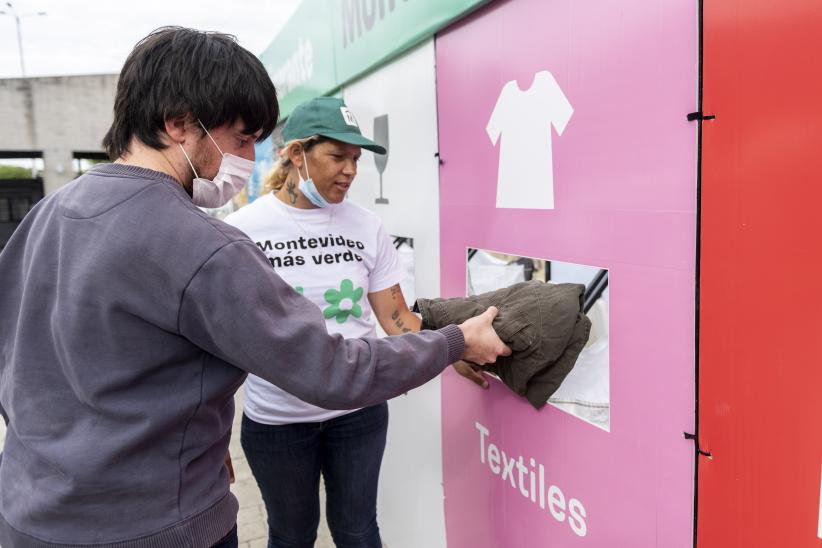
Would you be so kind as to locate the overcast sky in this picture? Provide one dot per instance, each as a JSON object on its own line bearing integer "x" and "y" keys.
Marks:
{"x": 96, "y": 36}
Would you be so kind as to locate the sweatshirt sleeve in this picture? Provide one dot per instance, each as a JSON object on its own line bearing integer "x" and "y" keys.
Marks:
{"x": 237, "y": 308}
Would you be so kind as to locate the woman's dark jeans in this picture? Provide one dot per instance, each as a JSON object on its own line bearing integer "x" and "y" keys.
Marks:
{"x": 287, "y": 461}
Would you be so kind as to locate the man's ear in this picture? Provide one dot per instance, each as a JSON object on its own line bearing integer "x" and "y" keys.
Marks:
{"x": 179, "y": 128}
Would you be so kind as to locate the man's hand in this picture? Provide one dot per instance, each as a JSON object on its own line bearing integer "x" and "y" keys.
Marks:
{"x": 482, "y": 345}
{"x": 471, "y": 372}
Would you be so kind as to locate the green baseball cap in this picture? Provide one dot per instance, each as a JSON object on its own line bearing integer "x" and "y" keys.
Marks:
{"x": 327, "y": 117}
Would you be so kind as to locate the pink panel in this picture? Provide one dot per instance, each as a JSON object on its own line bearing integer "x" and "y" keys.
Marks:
{"x": 624, "y": 190}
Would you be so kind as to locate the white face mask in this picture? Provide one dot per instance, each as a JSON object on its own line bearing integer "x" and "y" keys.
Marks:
{"x": 232, "y": 176}
{"x": 309, "y": 189}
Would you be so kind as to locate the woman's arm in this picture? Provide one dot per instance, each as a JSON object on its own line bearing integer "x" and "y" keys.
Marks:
{"x": 392, "y": 312}
{"x": 395, "y": 318}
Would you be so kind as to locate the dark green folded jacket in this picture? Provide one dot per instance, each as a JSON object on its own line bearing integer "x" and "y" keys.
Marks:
{"x": 543, "y": 323}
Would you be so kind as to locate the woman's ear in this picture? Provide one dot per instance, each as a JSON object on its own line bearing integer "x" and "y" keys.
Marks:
{"x": 295, "y": 154}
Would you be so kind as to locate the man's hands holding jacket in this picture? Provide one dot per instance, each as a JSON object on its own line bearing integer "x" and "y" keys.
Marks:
{"x": 482, "y": 345}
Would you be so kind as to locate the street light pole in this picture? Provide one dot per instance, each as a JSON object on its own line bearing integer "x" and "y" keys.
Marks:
{"x": 11, "y": 11}
{"x": 20, "y": 45}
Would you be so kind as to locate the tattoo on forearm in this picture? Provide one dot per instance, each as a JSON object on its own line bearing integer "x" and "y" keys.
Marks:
{"x": 399, "y": 323}
{"x": 291, "y": 194}
{"x": 406, "y": 330}
{"x": 395, "y": 291}
{"x": 395, "y": 315}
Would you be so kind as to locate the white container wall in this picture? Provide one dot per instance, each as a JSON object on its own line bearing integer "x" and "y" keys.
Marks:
{"x": 401, "y": 97}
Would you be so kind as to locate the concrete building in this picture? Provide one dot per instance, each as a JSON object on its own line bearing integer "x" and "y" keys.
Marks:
{"x": 55, "y": 122}
{"x": 59, "y": 119}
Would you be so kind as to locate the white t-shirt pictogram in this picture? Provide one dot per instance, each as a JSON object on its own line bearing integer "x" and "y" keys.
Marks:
{"x": 524, "y": 119}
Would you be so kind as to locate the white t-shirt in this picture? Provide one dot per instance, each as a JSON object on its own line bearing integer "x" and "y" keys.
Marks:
{"x": 524, "y": 120}
{"x": 585, "y": 392}
{"x": 335, "y": 257}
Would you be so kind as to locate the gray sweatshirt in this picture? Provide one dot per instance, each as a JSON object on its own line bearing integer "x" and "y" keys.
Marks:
{"x": 128, "y": 319}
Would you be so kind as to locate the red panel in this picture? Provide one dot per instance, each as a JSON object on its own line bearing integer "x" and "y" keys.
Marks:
{"x": 761, "y": 277}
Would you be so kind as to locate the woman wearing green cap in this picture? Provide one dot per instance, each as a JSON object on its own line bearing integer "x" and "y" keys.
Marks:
{"x": 338, "y": 255}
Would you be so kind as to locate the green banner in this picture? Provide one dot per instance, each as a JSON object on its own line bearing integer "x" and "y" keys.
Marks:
{"x": 328, "y": 43}
{"x": 300, "y": 59}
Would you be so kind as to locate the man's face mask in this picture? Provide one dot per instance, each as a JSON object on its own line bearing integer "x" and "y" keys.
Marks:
{"x": 232, "y": 176}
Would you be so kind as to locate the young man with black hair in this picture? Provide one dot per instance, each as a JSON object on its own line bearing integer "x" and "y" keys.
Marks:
{"x": 129, "y": 319}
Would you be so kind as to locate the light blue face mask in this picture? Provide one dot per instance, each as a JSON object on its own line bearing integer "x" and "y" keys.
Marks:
{"x": 309, "y": 189}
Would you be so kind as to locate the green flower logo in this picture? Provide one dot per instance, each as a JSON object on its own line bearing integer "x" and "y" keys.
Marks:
{"x": 343, "y": 303}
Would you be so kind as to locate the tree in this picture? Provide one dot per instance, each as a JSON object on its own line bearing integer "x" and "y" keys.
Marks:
{"x": 15, "y": 172}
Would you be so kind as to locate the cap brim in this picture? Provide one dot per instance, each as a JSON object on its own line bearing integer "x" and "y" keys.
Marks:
{"x": 356, "y": 139}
